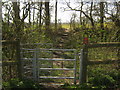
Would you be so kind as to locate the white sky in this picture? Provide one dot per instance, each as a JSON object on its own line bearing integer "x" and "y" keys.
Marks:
{"x": 65, "y": 16}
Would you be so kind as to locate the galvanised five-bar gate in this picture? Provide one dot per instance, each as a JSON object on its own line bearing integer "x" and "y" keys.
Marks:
{"x": 38, "y": 64}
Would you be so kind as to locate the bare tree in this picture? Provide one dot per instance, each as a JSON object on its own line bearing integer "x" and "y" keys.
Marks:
{"x": 86, "y": 15}
{"x": 102, "y": 15}
{"x": 81, "y": 13}
{"x": 73, "y": 21}
{"x": 47, "y": 18}
{"x": 47, "y": 14}
{"x": 115, "y": 16}
{"x": 56, "y": 15}
{"x": 33, "y": 13}
{"x": 102, "y": 20}
{"x": 29, "y": 13}
{"x": 19, "y": 21}
{"x": 40, "y": 15}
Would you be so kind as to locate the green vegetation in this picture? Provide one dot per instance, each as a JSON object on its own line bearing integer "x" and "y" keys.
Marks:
{"x": 99, "y": 78}
{"x": 16, "y": 83}
{"x": 65, "y": 25}
{"x": 29, "y": 22}
{"x": 104, "y": 76}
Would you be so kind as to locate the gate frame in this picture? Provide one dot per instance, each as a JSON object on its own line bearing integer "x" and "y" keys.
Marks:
{"x": 36, "y": 60}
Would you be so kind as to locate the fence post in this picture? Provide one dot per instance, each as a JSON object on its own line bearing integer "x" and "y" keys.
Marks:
{"x": 83, "y": 65}
{"x": 118, "y": 54}
{"x": 19, "y": 68}
{"x": 35, "y": 66}
{"x": 75, "y": 62}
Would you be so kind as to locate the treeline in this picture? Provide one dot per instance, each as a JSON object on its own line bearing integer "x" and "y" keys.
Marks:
{"x": 31, "y": 21}
{"x": 15, "y": 14}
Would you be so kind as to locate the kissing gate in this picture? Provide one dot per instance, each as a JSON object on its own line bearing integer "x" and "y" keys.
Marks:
{"x": 47, "y": 65}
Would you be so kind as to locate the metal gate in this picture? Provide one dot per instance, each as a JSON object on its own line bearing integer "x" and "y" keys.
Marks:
{"x": 39, "y": 64}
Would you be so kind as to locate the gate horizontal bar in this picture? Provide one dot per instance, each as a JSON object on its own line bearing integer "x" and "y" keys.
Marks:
{"x": 27, "y": 52}
{"x": 57, "y": 77}
{"x": 56, "y": 69}
{"x": 59, "y": 49}
{"x": 49, "y": 84}
{"x": 56, "y": 59}
{"x": 36, "y": 44}
{"x": 27, "y": 49}
{"x": 50, "y": 49}
{"x": 28, "y": 68}
{"x": 27, "y": 72}
{"x": 32, "y": 51}
{"x": 27, "y": 59}
{"x": 49, "y": 59}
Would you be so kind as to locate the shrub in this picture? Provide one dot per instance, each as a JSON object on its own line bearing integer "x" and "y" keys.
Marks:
{"x": 103, "y": 77}
{"x": 17, "y": 83}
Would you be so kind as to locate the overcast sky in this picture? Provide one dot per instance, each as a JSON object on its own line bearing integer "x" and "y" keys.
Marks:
{"x": 65, "y": 16}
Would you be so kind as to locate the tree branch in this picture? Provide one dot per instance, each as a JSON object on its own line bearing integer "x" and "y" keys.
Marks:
{"x": 89, "y": 17}
{"x": 79, "y": 10}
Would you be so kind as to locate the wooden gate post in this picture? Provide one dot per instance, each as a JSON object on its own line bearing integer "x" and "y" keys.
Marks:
{"x": 19, "y": 68}
{"x": 83, "y": 65}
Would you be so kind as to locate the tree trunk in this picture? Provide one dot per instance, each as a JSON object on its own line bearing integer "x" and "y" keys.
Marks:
{"x": 29, "y": 14}
{"x": 47, "y": 14}
{"x": 8, "y": 21}
{"x": 47, "y": 18}
{"x": 81, "y": 13}
{"x": 56, "y": 15}
{"x": 102, "y": 20}
{"x": 17, "y": 19}
{"x": 102, "y": 15}
{"x": 91, "y": 18}
{"x": 117, "y": 16}
{"x": 33, "y": 14}
{"x": 40, "y": 15}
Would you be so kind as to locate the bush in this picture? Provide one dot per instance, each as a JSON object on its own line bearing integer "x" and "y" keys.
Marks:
{"x": 99, "y": 78}
{"x": 102, "y": 81}
{"x": 85, "y": 86}
{"x": 17, "y": 83}
{"x": 103, "y": 77}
